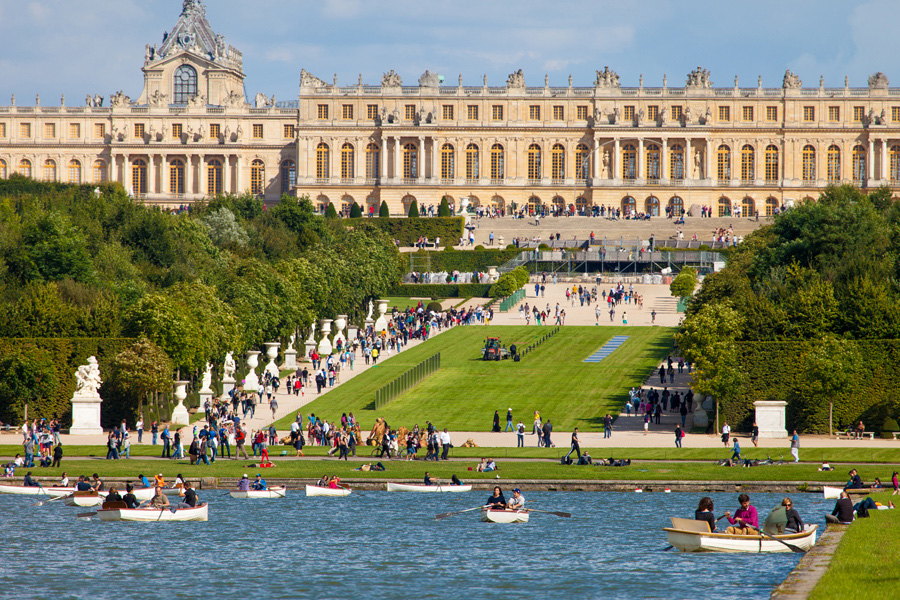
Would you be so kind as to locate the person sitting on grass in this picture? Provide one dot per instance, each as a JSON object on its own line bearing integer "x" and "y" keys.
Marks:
{"x": 490, "y": 465}
{"x": 855, "y": 482}
{"x": 481, "y": 465}
{"x": 843, "y": 511}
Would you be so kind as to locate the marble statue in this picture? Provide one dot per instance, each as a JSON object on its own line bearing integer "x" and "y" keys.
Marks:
{"x": 230, "y": 366}
{"x": 878, "y": 81}
{"x": 391, "y": 79}
{"x": 307, "y": 79}
{"x": 607, "y": 79}
{"x": 516, "y": 80}
{"x": 207, "y": 379}
{"x": 87, "y": 378}
{"x": 429, "y": 79}
{"x": 698, "y": 78}
{"x": 790, "y": 81}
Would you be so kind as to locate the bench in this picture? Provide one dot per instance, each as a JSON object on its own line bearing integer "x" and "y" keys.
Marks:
{"x": 851, "y": 435}
{"x": 690, "y": 525}
{"x": 896, "y": 434}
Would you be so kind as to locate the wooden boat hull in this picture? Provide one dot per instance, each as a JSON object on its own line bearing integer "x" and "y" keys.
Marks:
{"x": 504, "y": 516}
{"x": 314, "y": 490}
{"x": 692, "y": 541}
{"x": 272, "y": 492}
{"x": 85, "y": 499}
{"x": 21, "y": 490}
{"x": 153, "y": 515}
{"x": 408, "y": 487}
{"x": 833, "y": 493}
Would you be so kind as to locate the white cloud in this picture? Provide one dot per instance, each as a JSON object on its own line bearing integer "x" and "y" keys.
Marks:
{"x": 342, "y": 9}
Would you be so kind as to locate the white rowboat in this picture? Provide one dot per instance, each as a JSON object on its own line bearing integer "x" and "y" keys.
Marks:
{"x": 85, "y": 499}
{"x": 272, "y": 492}
{"x": 314, "y": 490}
{"x": 504, "y": 516}
{"x": 407, "y": 487}
{"x": 688, "y": 537}
{"x": 151, "y": 515}
{"x": 833, "y": 493}
{"x": 21, "y": 490}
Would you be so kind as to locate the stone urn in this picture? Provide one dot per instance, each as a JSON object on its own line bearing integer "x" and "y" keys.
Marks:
{"x": 180, "y": 414}
{"x": 325, "y": 344}
{"x": 340, "y": 323}
{"x": 251, "y": 381}
{"x": 272, "y": 353}
{"x": 381, "y": 321}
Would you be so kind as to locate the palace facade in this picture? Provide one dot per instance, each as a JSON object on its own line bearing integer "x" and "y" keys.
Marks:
{"x": 192, "y": 133}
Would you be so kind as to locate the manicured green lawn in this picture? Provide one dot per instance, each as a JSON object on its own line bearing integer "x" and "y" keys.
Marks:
{"x": 466, "y": 391}
{"x": 865, "y": 563}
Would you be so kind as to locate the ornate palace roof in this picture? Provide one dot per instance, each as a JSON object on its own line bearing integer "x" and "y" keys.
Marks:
{"x": 193, "y": 33}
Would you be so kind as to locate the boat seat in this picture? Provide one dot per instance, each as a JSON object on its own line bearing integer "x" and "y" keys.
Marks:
{"x": 690, "y": 525}
{"x": 114, "y": 504}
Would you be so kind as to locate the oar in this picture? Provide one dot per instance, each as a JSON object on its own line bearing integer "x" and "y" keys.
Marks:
{"x": 347, "y": 488}
{"x": 459, "y": 512}
{"x": 86, "y": 515}
{"x": 791, "y": 546}
{"x": 43, "y": 502}
{"x": 551, "y": 512}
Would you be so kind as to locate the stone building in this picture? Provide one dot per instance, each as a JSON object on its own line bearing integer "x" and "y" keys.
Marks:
{"x": 192, "y": 133}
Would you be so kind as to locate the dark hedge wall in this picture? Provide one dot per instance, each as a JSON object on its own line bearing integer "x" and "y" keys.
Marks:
{"x": 450, "y": 290}
{"x": 466, "y": 261}
{"x": 408, "y": 231}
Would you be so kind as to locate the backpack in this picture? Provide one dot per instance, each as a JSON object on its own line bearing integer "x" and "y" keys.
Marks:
{"x": 862, "y": 512}
{"x": 565, "y": 460}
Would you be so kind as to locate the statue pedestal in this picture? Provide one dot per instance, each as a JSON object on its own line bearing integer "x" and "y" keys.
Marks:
{"x": 290, "y": 359}
{"x": 770, "y": 418}
{"x": 325, "y": 347}
{"x": 204, "y": 396}
{"x": 227, "y": 385}
{"x": 86, "y": 415}
{"x": 180, "y": 415}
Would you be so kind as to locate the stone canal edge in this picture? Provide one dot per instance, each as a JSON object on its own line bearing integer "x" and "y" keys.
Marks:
{"x": 802, "y": 580}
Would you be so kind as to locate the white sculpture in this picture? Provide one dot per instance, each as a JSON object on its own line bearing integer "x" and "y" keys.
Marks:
{"x": 290, "y": 355}
{"x": 325, "y": 347}
{"x": 179, "y": 413}
{"x": 371, "y": 308}
{"x": 86, "y": 400}
{"x": 251, "y": 381}
{"x": 272, "y": 353}
{"x": 207, "y": 379}
{"x": 88, "y": 379}
{"x": 230, "y": 366}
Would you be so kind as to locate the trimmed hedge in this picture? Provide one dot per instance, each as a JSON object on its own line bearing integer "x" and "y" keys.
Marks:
{"x": 435, "y": 290}
{"x": 466, "y": 261}
{"x": 775, "y": 372}
{"x": 408, "y": 231}
{"x": 67, "y": 355}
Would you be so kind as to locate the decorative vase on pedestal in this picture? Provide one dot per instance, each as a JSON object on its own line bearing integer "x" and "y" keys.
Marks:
{"x": 251, "y": 381}
{"x": 325, "y": 343}
{"x": 272, "y": 353}
{"x": 340, "y": 323}
{"x": 180, "y": 414}
{"x": 381, "y": 322}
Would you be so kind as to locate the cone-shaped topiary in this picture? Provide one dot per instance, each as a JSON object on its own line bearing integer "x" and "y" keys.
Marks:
{"x": 330, "y": 212}
{"x": 355, "y": 211}
{"x": 413, "y": 210}
{"x": 383, "y": 211}
{"x": 444, "y": 208}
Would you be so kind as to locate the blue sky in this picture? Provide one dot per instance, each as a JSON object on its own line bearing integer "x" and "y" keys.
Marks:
{"x": 75, "y": 47}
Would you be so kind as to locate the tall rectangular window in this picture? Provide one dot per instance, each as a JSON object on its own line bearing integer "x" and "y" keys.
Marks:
{"x": 99, "y": 130}
{"x": 581, "y": 113}
{"x": 809, "y": 114}
{"x": 371, "y": 112}
{"x": 559, "y": 113}
{"x": 834, "y": 114}
{"x": 859, "y": 112}
{"x": 747, "y": 113}
{"x": 677, "y": 113}
{"x": 257, "y": 131}
{"x": 177, "y": 130}
{"x": 724, "y": 114}
{"x": 347, "y": 112}
{"x": 447, "y": 112}
{"x": 628, "y": 113}
{"x": 410, "y": 112}
{"x": 289, "y": 132}
{"x": 24, "y": 130}
{"x": 74, "y": 131}
{"x": 215, "y": 130}
{"x": 2, "y": 130}
{"x": 652, "y": 113}
{"x": 895, "y": 114}
{"x": 497, "y": 112}
{"x": 534, "y": 112}
{"x": 139, "y": 130}
{"x": 771, "y": 114}
{"x": 472, "y": 112}
{"x": 49, "y": 130}
{"x": 322, "y": 111}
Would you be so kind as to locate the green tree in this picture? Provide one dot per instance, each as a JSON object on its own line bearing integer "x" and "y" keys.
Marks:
{"x": 27, "y": 379}
{"x": 383, "y": 210}
{"x": 139, "y": 371}
{"x": 413, "y": 210}
{"x": 224, "y": 230}
{"x": 684, "y": 283}
{"x": 444, "y": 208}
{"x": 50, "y": 249}
{"x": 355, "y": 211}
{"x": 828, "y": 369}
{"x": 170, "y": 325}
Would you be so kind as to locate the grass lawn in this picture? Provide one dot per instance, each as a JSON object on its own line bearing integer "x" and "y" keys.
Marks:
{"x": 403, "y": 302}
{"x": 865, "y": 562}
{"x": 466, "y": 391}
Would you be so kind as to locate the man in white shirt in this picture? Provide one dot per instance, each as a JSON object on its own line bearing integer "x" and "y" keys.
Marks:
{"x": 445, "y": 442}
{"x": 517, "y": 502}
{"x": 726, "y": 433}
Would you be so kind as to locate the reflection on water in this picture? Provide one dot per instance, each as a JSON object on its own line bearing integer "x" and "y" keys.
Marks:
{"x": 381, "y": 544}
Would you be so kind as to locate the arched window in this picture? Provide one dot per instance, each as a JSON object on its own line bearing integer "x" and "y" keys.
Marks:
{"x": 473, "y": 170}
{"x": 629, "y": 206}
{"x": 748, "y": 206}
{"x": 322, "y": 202}
{"x": 348, "y": 160}
{"x": 49, "y": 170}
{"x": 25, "y": 167}
{"x": 629, "y": 164}
{"x": 74, "y": 172}
{"x": 582, "y": 162}
{"x": 581, "y": 204}
{"x": 323, "y": 155}
{"x": 771, "y": 163}
{"x": 288, "y": 176}
{"x": 410, "y": 161}
{"x": 859, "y": 164}
{"x": 558, "y": 203}
{"x": 834, "y": 164}
{"x": 723, "y": 163}
{"x": 895, "y": 164}
{"x": 373, "y": 161}
{"x": 99, "y": 171}
{"x": 676, "y": 205}
{"x": 652, "y": 163}
{"x": 557, "y": 162}
{"x": 498, "y": 202}
{"x": 407, "y": 202}
{"x": 534, "y": 204}
{"x": 185, "y": 84}
{"x": 346, "y": 204}
{"x": 534, "y": 162}
{"x": 724, "y": 207}
{"x": 651, "y": 206}
{"x": 748, "y": 164}
{"x": 676, "y": 163}
{"x": 809, "y": 163}
{"x": 214, "y": 177}
{"x": 176, "y": 177}
{"x": 498, "y": 170}
{"x": 139, "y": 177}
{"x": 257, "y": 177}
{"x": 771, "y": 205}
{"x": 4, "y": 170}
{"x": 448, "y": 162}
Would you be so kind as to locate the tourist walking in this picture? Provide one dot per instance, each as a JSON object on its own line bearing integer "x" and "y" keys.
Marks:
{"x": 576, "y": 447}
{"x": 520, "y": 435}
{"x": 795, "y": 446}
{"x": 679, "y": 433}
{"x": 509, "y": 424}
{"x": 166, "y": 440}
{"x": 548, "y": 429}
{"x": 726, "y": 433}
{"x": 607, "y": 426}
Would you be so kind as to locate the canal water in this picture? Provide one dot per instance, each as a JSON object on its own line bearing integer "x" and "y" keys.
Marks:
{"x": 385, "y": 545}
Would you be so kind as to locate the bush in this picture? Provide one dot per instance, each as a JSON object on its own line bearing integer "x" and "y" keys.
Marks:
{"x": 544, "y": 248}
{"x": 408, "y": 231}
{"x": 479, "y": 248}
{"x": 355, "y": 211}
{"x": 383, "y": 211}
{"x": 436, "y": 290}
{"x": 330, "y": 212}
{"x": 413, "y": 210}
{"x": 444, "y": 208}
{"x": 684, "y": 283}
{"x": 890, "y": 425}
{"x": 508, "y": 283}
{"x": 465, "y": 261}
{"x": 435, "y": 306}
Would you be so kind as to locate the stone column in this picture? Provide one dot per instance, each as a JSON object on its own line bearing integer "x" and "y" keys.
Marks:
{"x": 395, "y": 159}
{"x": 189, "y": 175}
{"x": 420, "y": 174}
{"x": 688, "y": 161}
{"x": 595, "y": 170}
{"x": 435, "y": 152}
{"x": 614, "y": 163}
{"x": 382, "y": 158}
{"x": 640, "y": 159}
{"x": 708, "y": 171}
{"x": 159, "y": 178}
{"x": 870, "y": 162}
{"x": 237, "y": 167}
{"x": 664, "y": 163}
{"x": 884, "y": 175}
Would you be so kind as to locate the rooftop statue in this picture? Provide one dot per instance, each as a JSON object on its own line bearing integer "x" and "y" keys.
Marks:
{"x": 516, "y": 80}
{"x": 391, "y": 79}
{"x": 607, "y": 78}
{"x": 307, "y": 79}
{"x": 699, "y": 78}
{"x": 791, "y": 81}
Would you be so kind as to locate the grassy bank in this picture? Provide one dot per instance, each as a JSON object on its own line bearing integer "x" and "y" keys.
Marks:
{"x": 466, "y": 391}
{"x": 866, "y": 559}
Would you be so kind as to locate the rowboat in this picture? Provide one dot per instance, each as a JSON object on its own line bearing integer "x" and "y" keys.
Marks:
{"x": 22, "y": 490}
{"x": 151, "y": 515}
{"x": 84, "y": 499}
{"x": 272, "y": 492}
{"x": 490, "y": 515}
{"x": 832, "y": 493}
{"x": 421, "y": 487}
{"x": 314, "y": 490}
{"x": 688, "y": 535}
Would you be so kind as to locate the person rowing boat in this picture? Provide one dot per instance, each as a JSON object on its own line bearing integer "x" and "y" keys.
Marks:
{"x": 129, "y": 498}
{"x": 517, "y": 502}
{"x": 745, "y": 520}
{"x": 497, "y": 501}
{"x": 244, "y": 483}
{"x": 189, "y": 496}
{"x": 159, "y": 499}
{"x": 260, "y": 483}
